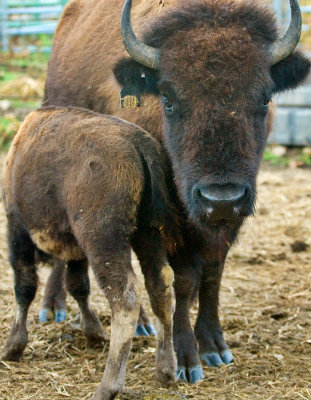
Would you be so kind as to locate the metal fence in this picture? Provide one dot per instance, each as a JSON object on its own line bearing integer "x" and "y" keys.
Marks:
{"x": 28, "y": 17}
{"x": 292, "y": 124}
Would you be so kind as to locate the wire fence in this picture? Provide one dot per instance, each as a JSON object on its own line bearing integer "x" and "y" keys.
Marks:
{"x": 28, "y": 18}
{"x": 36, "y": 17}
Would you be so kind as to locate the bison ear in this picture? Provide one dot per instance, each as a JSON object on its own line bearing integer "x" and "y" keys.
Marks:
{"x": 128, "y": 71}
{"x": 290, "y": 72}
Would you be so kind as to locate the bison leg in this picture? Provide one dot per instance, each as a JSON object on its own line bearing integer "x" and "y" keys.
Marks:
{"x": 22, "y": 258}
{"x": 159, "y": 279}
{"x": 187, "y": 278}
{"x": 212, "y": 346}
{"x": 54, "y": 300}
{"x": 78, "y": 285}
{"x": 144, "y": 325}
{"x": 116, "y": 277}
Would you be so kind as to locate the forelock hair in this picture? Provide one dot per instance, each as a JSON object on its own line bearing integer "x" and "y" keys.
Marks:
{"x": 259, "y": 20}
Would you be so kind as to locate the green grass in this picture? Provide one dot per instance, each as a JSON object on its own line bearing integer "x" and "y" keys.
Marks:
{"x": 6, "y": 75}
{"x": 274, "y": 160}
{"x": 298, "y": 157}
{"x": 304, "y": 159}
{"x": 8, "y": 128}
{"x": 24, "y": 61}
{"x": 25, "y": 104}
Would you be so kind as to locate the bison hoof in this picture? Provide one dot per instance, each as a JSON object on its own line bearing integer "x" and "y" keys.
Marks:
{"x": 192, "y": 375}
{"x": 147, "y": 330}
{"x": 60, "y": 315}
{"x": 96, "y": 340}
{"x": 46, "y": 314}
{"x": 151, "y": 329}
{"x": 214, "y": 359}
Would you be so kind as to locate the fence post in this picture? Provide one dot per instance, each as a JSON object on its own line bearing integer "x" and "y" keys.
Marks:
{"x": 4, "y": 25}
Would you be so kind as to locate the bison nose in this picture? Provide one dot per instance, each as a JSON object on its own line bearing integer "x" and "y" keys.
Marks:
{"x": 223, "y": 202}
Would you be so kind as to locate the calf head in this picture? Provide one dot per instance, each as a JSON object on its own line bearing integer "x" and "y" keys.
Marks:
{"x": 215, "y": 65}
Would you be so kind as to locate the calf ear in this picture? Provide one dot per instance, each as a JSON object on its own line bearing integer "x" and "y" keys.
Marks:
{"x": 128, "y": 71}
{"x": 290, "y": 72}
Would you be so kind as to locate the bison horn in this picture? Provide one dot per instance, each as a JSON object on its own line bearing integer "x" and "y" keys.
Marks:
{"x": 287, "y": 44}
{"x": 139, "y": 51}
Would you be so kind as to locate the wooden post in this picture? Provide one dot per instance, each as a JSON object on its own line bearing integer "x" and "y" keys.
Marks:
{"x": 4, "y": 25}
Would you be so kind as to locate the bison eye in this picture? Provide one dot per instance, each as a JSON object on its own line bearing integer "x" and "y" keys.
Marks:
{"x": 265, "y": 104}
{"x": 168, "y": 105}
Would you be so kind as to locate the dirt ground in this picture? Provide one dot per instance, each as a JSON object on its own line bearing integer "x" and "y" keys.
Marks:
{"x": 265, "y": 311}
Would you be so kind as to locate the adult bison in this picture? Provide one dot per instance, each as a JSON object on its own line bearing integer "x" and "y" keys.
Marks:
{"x": 206, "y": 70}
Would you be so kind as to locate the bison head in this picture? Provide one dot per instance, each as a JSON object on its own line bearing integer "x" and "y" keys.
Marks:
{"x": 215, "y": 65}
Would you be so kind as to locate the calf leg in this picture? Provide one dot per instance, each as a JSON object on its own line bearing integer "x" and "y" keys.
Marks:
{"x": 159, "y": 279}
{"x": 22, "y": 251}
{"x": 212, "y": 346}
{"x": 116, "y": 277}
{"x": 54, "y": 300}
{"x": 78, "y": 285}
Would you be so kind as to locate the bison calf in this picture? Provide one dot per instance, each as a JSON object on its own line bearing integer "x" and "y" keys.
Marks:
{"x": 84, "y": 187}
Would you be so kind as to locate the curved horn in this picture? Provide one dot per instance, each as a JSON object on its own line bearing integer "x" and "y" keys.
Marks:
{"x": 139, "y": 51}
{"x": 287, "y": 44}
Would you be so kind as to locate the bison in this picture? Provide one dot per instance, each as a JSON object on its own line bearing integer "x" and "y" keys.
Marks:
{"x": 202, "y": 73}
{"x": 84, "y": 187}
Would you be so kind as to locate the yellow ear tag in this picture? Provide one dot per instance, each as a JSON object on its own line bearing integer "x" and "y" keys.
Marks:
{"x": 130, "y": 97}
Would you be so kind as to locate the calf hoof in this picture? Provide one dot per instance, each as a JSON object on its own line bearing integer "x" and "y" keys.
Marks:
{"x": 192, "y": 375}
{"x": 145, "y": 330}
{"x": 166, "y": 365}
{"x": 167, "y": 376}
{"x": 214, "y": 359}
{"x": 104, "y": 394}
{"x": 14, "y": 349}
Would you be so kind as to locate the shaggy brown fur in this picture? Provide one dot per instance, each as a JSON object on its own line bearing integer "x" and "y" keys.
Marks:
{"x": 215, "y": 81}
{"x": 84, "y": 187}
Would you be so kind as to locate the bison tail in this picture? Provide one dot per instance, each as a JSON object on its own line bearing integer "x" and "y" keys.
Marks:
{"x": 161, "y": 210}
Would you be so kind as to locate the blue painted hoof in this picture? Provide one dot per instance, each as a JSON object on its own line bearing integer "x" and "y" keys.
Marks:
{"x": 141, "y": 331}
{"x": 60, "y": 315}
{"x": 151, "y": 329}
{"x": 181, "y": 374}
{"x": 212, "y": 359}
{"x": 227, "y": 356}
{"x": 44, "y": 314}
{"x": 196, "y": 374}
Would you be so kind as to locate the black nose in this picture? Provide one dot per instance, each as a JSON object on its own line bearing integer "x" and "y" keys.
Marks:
{"x": 223, "y": 201}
